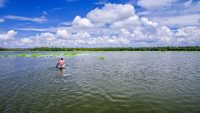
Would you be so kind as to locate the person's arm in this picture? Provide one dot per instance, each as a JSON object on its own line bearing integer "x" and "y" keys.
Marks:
{"x": 57, "y": 64}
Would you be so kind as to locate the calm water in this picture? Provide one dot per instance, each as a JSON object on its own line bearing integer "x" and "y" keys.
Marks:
{"x": 124, "y": 82}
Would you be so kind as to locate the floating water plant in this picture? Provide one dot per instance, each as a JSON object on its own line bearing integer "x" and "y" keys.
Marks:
{"x": 41, "y": 54}
{"x": 34, "y": 55}
{"x": 70, "y": 54}
{"x": 6, "y": 55}
{"x": 12, "y": 55}
{"x": 101, "y": 58}
{"x": 22, "y": 55}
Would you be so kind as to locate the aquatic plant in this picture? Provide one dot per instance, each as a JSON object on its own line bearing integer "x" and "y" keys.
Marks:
{"x": 40, "y": 54}
{"x": 6, "y": 55}
{"x": 35, "y": 55}
{"x": 101, "y": 58}
{"x": 12, "y": 55}
{"x": 70, "y": 54}
{"x": 22, "y": 55}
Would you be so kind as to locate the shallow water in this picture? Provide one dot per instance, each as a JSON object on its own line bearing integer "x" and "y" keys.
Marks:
{"x": 122, "y": 82}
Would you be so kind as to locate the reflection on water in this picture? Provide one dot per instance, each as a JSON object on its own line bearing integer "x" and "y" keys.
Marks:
{"x": 122, "y": 82}
{"x": 60, "y": 72}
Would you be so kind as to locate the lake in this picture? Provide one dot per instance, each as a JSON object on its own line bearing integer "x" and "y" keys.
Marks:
{"x": 118, "y": 82}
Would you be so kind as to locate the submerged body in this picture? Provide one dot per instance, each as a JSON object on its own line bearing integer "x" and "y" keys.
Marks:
{"x": 60, "y": 64}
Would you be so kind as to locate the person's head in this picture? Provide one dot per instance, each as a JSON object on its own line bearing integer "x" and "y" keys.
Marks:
{"x": 61, "y": 59}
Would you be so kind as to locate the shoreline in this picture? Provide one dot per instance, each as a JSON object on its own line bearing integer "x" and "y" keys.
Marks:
{"x": 167, "y": 48}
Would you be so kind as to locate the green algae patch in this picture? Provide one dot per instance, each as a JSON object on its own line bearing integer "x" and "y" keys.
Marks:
{"x": 6, "y": 55}
{"x": 35, "y": 55}
{"x": 101, "y": 58}
{"x": 22, "y": 55}
{"x": 41, "y": 55}
{"x": 70, "y": 54}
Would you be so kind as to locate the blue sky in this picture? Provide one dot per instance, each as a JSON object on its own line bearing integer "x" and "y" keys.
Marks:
{"x": 99, "y": 23}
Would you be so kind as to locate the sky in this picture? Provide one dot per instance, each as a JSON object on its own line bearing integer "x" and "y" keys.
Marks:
{"x": 99, "y": 23}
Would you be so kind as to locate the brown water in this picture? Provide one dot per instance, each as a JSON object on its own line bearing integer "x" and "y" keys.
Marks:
{"x": 123, "y": 82}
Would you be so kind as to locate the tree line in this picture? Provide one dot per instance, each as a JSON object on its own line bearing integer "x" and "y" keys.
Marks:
{"x": 167, "y": 48}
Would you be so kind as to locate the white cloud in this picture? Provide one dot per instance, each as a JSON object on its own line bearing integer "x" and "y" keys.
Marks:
{"x": 129, "y": 22}
{"x": 180, "y": 20}
{"x": 49, "y": 29}
{"x": 25, "y": 41}
{"x": 2, "y": 20}
{"x": 153, "y": 4}
{"x": 190, "y": 7}
{"x": 165, "y": 34}
{"x": 111, "y": 13}
{"x": 39, "y": 19}
{"x": 62, "y": 33}
{"x": 113, "y": 25}
{"x": 9, "y": 35}
{"x": 179, "y": 13}
{"x": 81, "y": 22}
{"x": 189, "y": 35}
{"x": 2, "y": 3}
{"x": 145, "y": 21}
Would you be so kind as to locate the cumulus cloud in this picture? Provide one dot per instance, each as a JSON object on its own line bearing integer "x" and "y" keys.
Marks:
{"x": 9, "y": 35}
{"x": 114, "y": 25}
{"x": 147, "y": 22}
{"x": 176, "y": 13}
{"x": 190, "y": 35}
{"x": 111, "y": 13}
{"x": 62, "y": 33}
{"x": 37, "y": 19}
{"x": 129, "y": 22}
{"x": 26, "y": 41}
{"x": 82, "y": 22}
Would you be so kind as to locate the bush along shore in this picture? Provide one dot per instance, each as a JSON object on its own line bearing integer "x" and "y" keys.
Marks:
{"x": 168, "y": 48}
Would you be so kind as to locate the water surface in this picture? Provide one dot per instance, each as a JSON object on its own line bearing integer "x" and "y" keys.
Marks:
{"x": 122, "y": 82}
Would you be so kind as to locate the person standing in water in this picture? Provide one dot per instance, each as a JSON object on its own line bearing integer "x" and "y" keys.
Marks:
{"x": 61, "y": 63}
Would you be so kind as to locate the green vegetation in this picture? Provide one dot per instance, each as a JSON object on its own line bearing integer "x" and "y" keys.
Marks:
{"x": 101, "y": 58}
{"x": 12, "y": 55}
{"x": 168, "y": 48}
{"x": 33, "y": 55}
{"x": 6, "y": 55}
{"x": 70, "y": 53}
{"x": 22, "y": 55}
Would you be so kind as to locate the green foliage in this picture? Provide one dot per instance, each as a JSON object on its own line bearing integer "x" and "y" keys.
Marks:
{"x": 2, "y": 49}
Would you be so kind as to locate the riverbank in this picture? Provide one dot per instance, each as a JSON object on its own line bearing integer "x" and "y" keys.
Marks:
{"x": 167, "y": 48}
